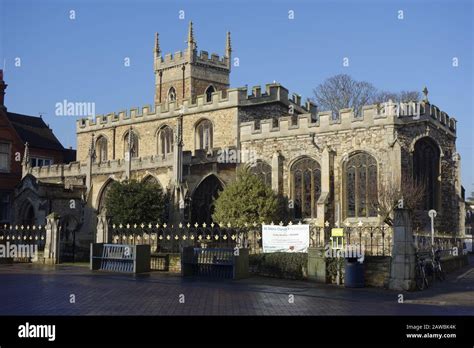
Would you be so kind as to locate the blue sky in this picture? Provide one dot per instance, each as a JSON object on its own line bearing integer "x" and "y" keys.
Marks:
{"x": 83, "y": 59}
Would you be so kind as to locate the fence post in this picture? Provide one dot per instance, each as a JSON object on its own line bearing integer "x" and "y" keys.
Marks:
{"x": 402, "y": 270}
{"x": 51, "y": 248}
{"x": 317, "y": 264}
{"x": 102, "y": 235}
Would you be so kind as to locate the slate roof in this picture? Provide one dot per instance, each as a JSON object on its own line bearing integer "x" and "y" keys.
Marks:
{"x": 33, "y": 130}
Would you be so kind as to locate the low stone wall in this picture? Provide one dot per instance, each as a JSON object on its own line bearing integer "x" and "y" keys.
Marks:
{"x": 166, "y": 262}
{"x": 280, "y": 265}
{"x": 377, "y": 271}
{"x": 452, "y": 263}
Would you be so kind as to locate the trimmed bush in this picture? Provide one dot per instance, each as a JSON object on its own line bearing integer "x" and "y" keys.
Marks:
{"x": 280, "y": 265}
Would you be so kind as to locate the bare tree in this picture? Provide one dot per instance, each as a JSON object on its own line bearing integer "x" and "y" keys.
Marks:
{"x": 401, "y": 97}
{"x": 342, "y": 91}
{"x": 410, "y": 191}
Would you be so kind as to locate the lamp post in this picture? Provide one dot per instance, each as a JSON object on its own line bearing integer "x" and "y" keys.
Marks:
{"x": 432, "y": 215}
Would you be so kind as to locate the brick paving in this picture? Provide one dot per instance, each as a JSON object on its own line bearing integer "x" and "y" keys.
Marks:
{"x": 27, "y": 289}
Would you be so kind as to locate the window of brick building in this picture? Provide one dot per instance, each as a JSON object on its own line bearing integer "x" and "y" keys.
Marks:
{"x": 4, "y": 157}
{"x": 5, "y": 206}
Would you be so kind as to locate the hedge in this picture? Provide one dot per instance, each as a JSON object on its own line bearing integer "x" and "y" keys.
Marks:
{"x": 280, "y": 265}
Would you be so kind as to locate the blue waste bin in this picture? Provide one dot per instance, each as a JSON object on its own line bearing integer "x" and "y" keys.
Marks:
{"x": 354, "y": 273}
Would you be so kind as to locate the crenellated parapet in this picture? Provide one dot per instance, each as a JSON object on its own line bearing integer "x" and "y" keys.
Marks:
{"x": 213, "y": 60}
{"x": 384, "y": 114}
{"x": 234, "y": 97}
{"x": 78, "y": 169}
{"x": 59, "y": 170}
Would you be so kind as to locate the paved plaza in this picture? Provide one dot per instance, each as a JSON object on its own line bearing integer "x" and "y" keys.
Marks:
{"x": 28, "y": 289}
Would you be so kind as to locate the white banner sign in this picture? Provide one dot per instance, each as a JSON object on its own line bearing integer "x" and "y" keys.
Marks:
{"x": 289, "y": 239}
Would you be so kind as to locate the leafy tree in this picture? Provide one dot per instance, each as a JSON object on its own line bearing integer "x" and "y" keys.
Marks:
{"x": 248, "y": 200}
{"x": 135, "y": 202}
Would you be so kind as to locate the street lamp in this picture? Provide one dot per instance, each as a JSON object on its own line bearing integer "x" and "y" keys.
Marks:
{"x": 432, "y": 215}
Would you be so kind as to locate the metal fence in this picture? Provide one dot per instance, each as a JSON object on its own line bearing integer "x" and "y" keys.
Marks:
{"x": 18, "y": 237}
{"x": 375, "y": 240}
{"x": 171, "y": 239}
{"x": 446, "y": 244}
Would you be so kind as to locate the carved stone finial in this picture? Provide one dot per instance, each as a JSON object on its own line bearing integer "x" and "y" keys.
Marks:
{"x": 425, "y": 93}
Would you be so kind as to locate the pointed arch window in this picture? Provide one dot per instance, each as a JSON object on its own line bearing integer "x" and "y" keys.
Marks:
{"x": 101, "y": 149}
{"x": 150, "y": 180}
{"x": 172, "y": 94}
{"x": 209, "y": 92}
{"x": 361, "y": 186}
{"x": 165, "y": 141}
{"x": 132, "y": 138}
{"x": 204, "y": 135}
{"x": 262, "y": 170}
{"x": 426, "y": 159}
{"x": 306, "y": 187}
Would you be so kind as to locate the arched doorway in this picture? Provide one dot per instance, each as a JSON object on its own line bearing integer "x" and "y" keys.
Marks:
{"x": 27, "y": 215}
{"x": 67, "y": 238}
{"x": 203, "y": 199}
{"x": 103, "y": 196}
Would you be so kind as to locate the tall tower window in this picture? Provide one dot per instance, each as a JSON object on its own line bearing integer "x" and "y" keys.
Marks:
{"x": 101, "y": 147}
{"x": 204, "y": 135}
{"x": 165, "y": 141}
{"x": 134, "y": 144}
{"x": 209, "y": 92}
{"x": 172, "y": 94}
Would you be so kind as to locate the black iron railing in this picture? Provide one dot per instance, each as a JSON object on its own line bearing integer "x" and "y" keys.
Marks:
{"x": 172, "y": 238}
{"x": 19, "y": 235}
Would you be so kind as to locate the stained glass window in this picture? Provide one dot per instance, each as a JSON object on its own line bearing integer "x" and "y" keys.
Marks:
{"x": 263, "y": 170}
{"x": 101, "y": 149}
{"x": 165, "y": 141}
{"x": 133, "y": 139}
{"x": 426, "y": 170}
{"x": 204, "y": 135}
{"x": 306, "y": 187}
{"x": 361, "y": 185}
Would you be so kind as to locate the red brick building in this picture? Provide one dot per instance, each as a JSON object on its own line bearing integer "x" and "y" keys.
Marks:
{"x": 44, "y": 149}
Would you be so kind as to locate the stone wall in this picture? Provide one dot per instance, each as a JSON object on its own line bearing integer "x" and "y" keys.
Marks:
{"x": 166, "y": 262}
{"x": 377, "y": 271}
{"x": 453, "y": 263}
{"x": 448, "y": 212}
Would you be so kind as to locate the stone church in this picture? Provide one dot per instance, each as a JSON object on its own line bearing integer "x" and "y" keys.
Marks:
{"x": 328, "y": 165}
